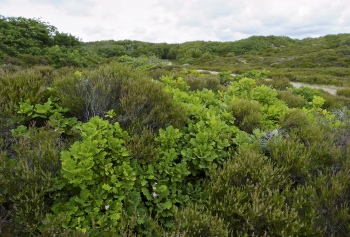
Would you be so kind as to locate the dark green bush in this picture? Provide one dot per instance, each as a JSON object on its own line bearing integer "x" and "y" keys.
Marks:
{"x": 255, "y": 198}
{"x": 293, "y": 156}
{"x": 317, "y": 134}
{"x": 247, "y": 114}
{"x": 157, "y": 72}
{"x": 130, "y": 228}
{"x": 31, "y": 60}
{"x": 94, "y": 92}
{"x": 281, "y": 83}
{"x": 334, "y": 102}
{"x": 210, "y": 82}
{"x": 17, "y": 86}
{"x": 22, "y": 85}
{"x": 195, "y": 221}
{"x": 142, "y": 146}
{"x": 138, "y": 102}
{"x": 294, "y": 119}
{"x": 144, "y": 103}
{"x": 310, "y": 130}
{"x": 344, "y": 92}
{"x": 292, "y": 100}
{"x": 332, "y": 204}
{"x": 318, "y": 163}
{"x": 26, "y": 175}
{"x": 297, "y": 122}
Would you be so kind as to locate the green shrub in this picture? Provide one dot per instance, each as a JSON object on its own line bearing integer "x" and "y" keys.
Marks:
{"x": 246, "y": 113}
{"x": 333, "y": 102}
{"x": 195, "y": 221}
{"x": 97, "y": 180}
{"x": 278, "y": 83}
{"x": 292, "y": 100}
{"x": 27, "y": 175}
{"x": 332, "y": 204}
{"x": 297, "y": 122}
{"x": 225, "y": 78}
{"x": 144, "y": 103}
{"x": 31, "y": 60}
{"x": 210, "y": 82}
{"x": 129, "y": 226}
{"x": 142, "y": 147}
{"x": 138, "y": 102}
{"x": 92, "y": 94}
{"x": 54, "y": 228}
{"x": 17, "y": 86}
{"x": 307, "y": 92}
{"x": 294, "y": 119}
{"x": 255, "y": 198}
{"x": 310, "y": 128}
{"x": 293, "y": 156}
{"x": 317, "y": 135}
{"x": 157, "y": 72}
{"x": 314, "y": 156}
{"x": 344, "y": 92}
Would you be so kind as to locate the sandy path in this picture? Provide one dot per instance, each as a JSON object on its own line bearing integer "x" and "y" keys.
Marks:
{"x": 330, "y": 89}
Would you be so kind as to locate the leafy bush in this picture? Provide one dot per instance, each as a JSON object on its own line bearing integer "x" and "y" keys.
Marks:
{"x": 272, "y": 108}
{"x": 97, "y": 179}
{"x": 226, "y": 78}
{"x": 307, "y": 92}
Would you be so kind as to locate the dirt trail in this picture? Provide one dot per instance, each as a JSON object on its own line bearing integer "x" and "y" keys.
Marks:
{"x": 330, "y": 89}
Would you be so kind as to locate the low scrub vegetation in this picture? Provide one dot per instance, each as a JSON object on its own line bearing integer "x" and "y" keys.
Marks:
{"x": 138, "y": 147}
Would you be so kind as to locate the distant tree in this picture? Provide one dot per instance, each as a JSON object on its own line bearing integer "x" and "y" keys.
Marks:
{"x": 68, "y": 40}
{"x": 19, "y": 35}
{"x": 22, "y": 35}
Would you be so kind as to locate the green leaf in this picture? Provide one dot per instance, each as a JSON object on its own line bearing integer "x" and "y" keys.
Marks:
{"x": 106, "y": 187}
{"x": 146, "y": 193}
{"x": 20, "y": 131}
{"x": 26, "y": 108}
{"x": 43, "y": 109}
{"x": 115, "y": 216}
{"x": 167, "y": 205}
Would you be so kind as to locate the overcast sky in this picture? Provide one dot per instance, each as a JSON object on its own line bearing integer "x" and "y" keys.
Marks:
{"x": 177, "y": 21}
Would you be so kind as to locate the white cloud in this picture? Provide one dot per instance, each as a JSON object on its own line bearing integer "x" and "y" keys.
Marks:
{"x": 186, "y": 20}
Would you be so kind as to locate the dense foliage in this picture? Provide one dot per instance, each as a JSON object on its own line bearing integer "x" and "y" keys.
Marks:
{"x": 139, "y": 147}
{"x": 30, "y": 42}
